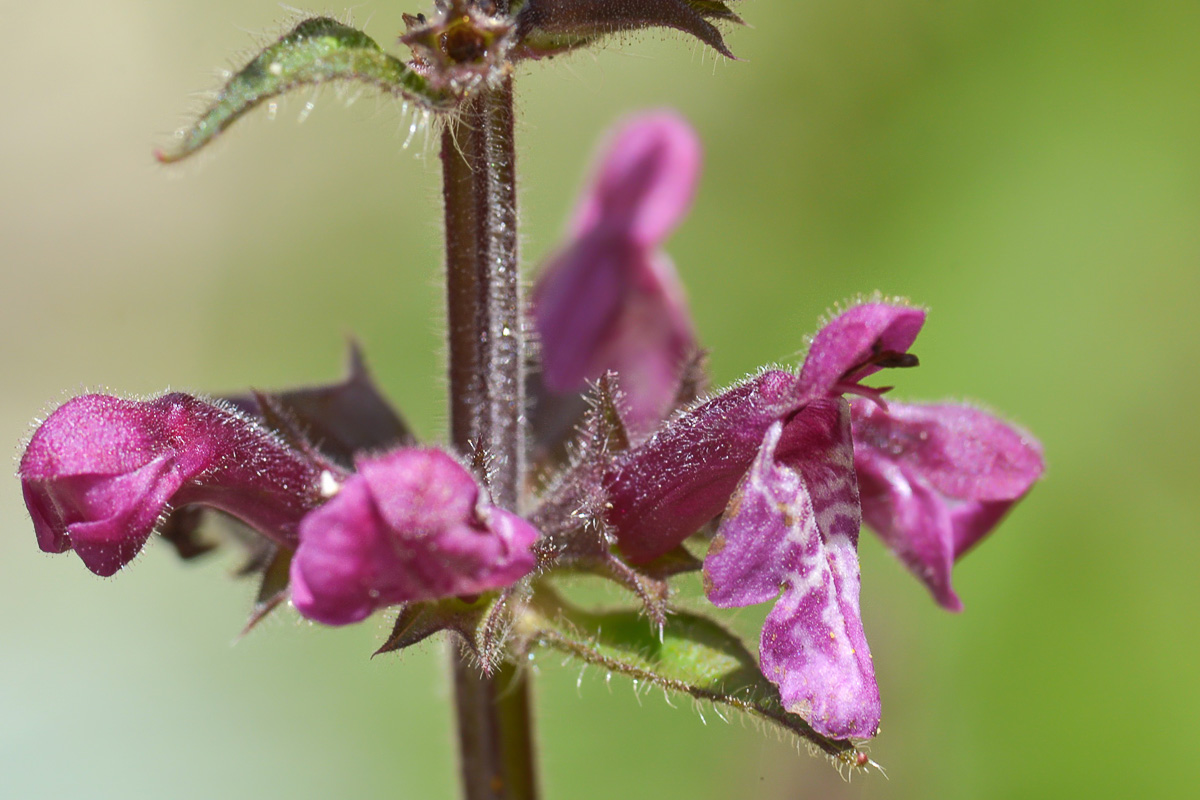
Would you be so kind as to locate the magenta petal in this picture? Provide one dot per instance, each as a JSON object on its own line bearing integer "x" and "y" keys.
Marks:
{"x": 115, "y": 515}
{"x": 819, "y": 658}
{"x": 646, "y": 180}
{"x": 667, "y": 488}
{"x": 936, "y": 479}
{"x": 610, "y": 301}
{"x": 576, "y": 303}
{"x": 647, "y": 345}
{"x": 971, "y": 521}
{"x": 765, "y": 526}
{"x": 961, "y": 451}
{"x": 603, "y": 307}
{"x": 794, "y": 524}
{"x": 331, "y": 574}
{"x": 410, "y": 525}
{"x": 100, "y": 473}
{"x": 914, "y": 522}
{"x": 851, "y": 338}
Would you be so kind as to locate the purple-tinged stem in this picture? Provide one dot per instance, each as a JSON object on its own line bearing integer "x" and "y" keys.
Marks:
{"x": 487, "y": 407}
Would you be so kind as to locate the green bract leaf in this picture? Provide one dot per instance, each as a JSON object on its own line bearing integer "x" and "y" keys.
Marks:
{"x": 318, "y": 50}
{"x": 694, "y": 656}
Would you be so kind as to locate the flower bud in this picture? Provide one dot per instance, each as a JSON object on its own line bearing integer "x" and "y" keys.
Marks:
{"x": 101, "y": 472}
{"x": 610, "y": 300}
{"x": 409, "y": 525}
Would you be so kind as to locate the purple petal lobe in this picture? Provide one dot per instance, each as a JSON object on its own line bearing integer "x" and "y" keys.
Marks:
{"x": 609, "y": 300}
{"x": 765, "y": 525}
{"x": 961, "y": 451}
{"x": 101, "y": 472}
{"x": 410, "y": 525}
{"x": 852, "y": 338}
{"x": 646, "y": 180}
{"x": 116, "y": 513}
{"x": 936, "y": 479}
{"x": 793, "y": 525}
{"x": 914, "y": 523}
{"x": 667, "y": 488}
{"x": 331, "y": 571}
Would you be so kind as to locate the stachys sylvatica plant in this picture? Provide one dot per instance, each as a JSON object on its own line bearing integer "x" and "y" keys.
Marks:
{"x": 583, "y": 436}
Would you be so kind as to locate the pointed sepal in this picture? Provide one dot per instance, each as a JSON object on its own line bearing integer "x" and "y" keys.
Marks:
{"x": 181, "y": 529}
{"x": 481, "y": 624}
{"x": 272, "y": 589}
{"x": 339, "y": 419}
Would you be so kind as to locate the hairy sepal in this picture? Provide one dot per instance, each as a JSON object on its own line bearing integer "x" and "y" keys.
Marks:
{"x": 481, "y": 624}
{"x": 317, "y": 51}
{"x": 273, "y": 587}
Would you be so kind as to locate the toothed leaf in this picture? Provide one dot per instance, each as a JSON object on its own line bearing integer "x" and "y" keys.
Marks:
{"x": 548, "y": 27}
{"x": 694, "y": 656}
{"x": 318, "y": 50}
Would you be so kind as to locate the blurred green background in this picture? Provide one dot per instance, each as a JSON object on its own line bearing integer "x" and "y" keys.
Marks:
{"x": 1030, "y": 170}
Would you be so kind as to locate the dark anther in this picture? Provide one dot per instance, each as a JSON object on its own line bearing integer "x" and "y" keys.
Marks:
{"x": 890, "y": 359}
{"x": 880, "y": 359}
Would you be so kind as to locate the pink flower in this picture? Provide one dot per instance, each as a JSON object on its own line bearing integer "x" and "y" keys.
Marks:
{"x": 610, "y": 299}
{"x": 101, "y": 472}
{"x": 780, "y": 457}
{"x": 409, "y": 525}
{"x": 669, "y": 487}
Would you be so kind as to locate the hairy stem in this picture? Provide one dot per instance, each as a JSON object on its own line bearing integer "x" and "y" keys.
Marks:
{"x": 487, "y": 406}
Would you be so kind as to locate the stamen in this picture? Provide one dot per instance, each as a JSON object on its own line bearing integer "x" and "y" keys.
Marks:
{"x": 875, "y": 395}
{"x": 893, "y": 360}
{"x": 879, "y": 359}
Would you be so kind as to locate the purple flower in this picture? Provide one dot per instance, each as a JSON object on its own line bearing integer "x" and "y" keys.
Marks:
{"x": 936, "y": 479}
{"x": 669, "y": 487}
{"x": 610, "y": 300}
{"x": 777, "y": 455}
{"x": 101, "y": 472}
{"x": 792, "y": 526}
{"x": 409, "y": 525}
